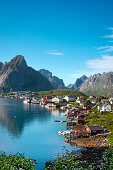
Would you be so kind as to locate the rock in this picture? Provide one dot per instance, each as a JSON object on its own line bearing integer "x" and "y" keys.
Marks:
{"x": 17, "y": 76}
{"x": 55, "y": 81}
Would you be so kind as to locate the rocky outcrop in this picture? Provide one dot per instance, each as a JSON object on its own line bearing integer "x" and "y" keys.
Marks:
{"x": 17, "y": 76}
{"x": 70, "y": 86}
{"x": 55, "y": 81}
{"x": 79, "y": 82}
{"x": 1, "y": 64}
{"x": 98, "y": 84}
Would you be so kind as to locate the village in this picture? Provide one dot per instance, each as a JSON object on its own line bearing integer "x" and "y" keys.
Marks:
{"x": 75, "y": 112}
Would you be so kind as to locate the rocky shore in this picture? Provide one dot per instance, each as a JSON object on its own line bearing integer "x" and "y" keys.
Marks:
{"x": 92, "y": 156}
{"x": 91, "y": 142}
{"x": 89, "y": 157}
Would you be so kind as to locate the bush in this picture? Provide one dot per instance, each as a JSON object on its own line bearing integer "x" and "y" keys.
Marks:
{"x": 16, "y": 161}
{"x": 108, "y": 158}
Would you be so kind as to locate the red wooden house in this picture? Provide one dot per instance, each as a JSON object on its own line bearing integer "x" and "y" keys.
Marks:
{"x": 78, "y": 116}
{"x": 48, "y": 97}
{"x": 81, "y": 118}
{"x": 94, "y": 130}
{"x": 86, "y": 107}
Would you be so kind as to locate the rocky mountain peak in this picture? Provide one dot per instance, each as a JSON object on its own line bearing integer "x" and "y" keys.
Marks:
{"x": 46, "y": 73}
{"x": 79, "y": 82}
{"x": 55, "y": 81}
{"x": 1, "y": 65}
{"x": 98, "y": 84}
{"x": 17, "y": 76}
{"x": 19, "y": 61}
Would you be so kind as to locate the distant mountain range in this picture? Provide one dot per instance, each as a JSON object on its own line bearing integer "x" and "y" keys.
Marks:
{"x": 97, "y": 84}
{"x": 17, "y": 76}
{"x": 55, "y": 81}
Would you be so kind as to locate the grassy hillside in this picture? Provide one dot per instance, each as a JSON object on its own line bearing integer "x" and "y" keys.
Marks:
{"x": 104, "y": 119}
{"x": 61, "y": 92}
{"x": 99, "y": 92}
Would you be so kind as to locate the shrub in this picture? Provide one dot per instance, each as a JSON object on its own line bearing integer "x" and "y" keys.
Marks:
{"x": 16, "y": 161}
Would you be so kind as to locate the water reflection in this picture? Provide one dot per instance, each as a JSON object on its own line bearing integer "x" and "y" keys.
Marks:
{"x": 55, "y": 112}
{"x": 15, "y": 115}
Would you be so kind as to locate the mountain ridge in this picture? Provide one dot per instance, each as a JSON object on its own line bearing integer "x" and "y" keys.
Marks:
{"x": 54, "y": 80}
{"x": 97, "y": 84}
{"x": 17, "y": 76}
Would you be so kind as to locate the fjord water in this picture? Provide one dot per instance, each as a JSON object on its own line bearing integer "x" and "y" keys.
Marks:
{"x": 30, "y": 129}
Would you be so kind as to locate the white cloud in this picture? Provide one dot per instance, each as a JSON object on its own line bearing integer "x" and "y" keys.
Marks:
{"x": 55, "y": 53}
{"x": 110, "y": 28}
{"x": 108, "y": 36}
{"x": 105, "y": 49}
{"x": 105, "y": 63}
{"x": 111, "y": 35}
{"x": 110, "y": 41}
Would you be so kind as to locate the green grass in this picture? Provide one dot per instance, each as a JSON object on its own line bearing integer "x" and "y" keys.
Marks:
{"x": 104, "y": 119}
{"x": 61, "y": 92}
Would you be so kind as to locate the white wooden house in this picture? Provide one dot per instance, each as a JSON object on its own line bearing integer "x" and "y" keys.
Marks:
{"x": 104, "y": 107}
{"x": 79, "y": 100}
{"x": 69, "y": 98}
{"x": 57, "y": 99}
{"x": 111, "y": 100}
{"x": 93, "y": 101}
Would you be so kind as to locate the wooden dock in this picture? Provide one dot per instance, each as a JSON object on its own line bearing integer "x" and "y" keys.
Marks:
{"x": 61, "y": 121}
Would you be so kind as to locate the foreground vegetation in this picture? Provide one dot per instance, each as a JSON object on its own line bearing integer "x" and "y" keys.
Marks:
{"x": 104, "y": 119}
{"x": 16, "y": 161}
{"x": 67, "y": 161}
{"x": 72, "y": 162}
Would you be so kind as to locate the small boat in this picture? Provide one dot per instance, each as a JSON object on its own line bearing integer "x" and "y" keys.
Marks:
{"x": 63, "y": 133}
{"x": 27, "y": 100}
{"x": 61, "y": 121}
{"x": 60, "y": 133}
{"x": 34, "y": 101}
{"x": 63, "y": 114}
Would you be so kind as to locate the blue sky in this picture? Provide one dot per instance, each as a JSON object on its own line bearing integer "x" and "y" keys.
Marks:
{"x": 68, "y": 37}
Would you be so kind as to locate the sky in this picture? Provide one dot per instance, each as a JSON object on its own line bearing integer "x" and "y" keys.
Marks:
{"x": 70, "y": 38}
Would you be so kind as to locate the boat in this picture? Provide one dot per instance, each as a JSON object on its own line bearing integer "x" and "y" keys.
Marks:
{"x": 34, "y": 101}
{"x": 27, "y": 100}
{"x": 63, "y": 114}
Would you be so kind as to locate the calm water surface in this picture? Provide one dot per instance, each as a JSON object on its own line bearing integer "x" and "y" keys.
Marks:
{"x": 30, "y": 129}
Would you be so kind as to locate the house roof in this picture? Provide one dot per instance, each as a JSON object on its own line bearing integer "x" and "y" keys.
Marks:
{"x": 106, "y": 104}
{"x": 69, "y": 96}
{"x": 97, "y": 127}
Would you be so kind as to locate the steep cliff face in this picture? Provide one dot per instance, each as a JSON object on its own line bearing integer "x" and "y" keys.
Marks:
{"x": 55, "y": 81}
{"x": 98, "y": 84}
{"x": 79, "y": 82}
{"x": 1, "y": 64}
{"x": 70, "y": 86}
{"x": 16, "y": 75}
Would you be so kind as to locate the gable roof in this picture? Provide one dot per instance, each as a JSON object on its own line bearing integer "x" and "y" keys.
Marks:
{"x": 97, "y": 127}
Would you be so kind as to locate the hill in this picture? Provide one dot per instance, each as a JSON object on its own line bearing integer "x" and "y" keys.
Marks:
{"x": 61, "y": 92}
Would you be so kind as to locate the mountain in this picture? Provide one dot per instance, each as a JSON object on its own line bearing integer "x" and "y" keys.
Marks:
{"x": 70, "y": 86}
{"x": 55, "y": 81}
{"x": 79, "y": 82}
{"x": 17, "y": 76}
{"x": 98, "y": 84}
{"x": 1, "y": 65}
